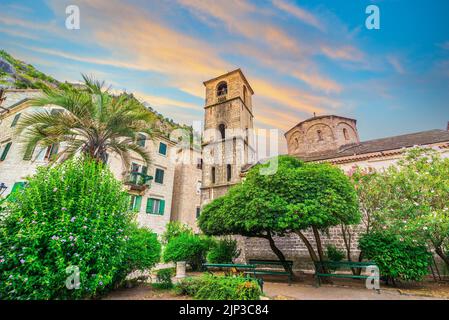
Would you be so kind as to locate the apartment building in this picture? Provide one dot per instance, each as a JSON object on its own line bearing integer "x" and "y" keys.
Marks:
{"x": 150, "y": 187}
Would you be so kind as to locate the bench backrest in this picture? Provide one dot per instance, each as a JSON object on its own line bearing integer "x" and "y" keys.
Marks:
{"x": 347, "y": 264}
{"x": 269, "y": 262}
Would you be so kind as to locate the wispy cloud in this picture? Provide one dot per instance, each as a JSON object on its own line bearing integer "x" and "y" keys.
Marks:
{"x": 396, "y": 63}
{"x": 299, "y": 13}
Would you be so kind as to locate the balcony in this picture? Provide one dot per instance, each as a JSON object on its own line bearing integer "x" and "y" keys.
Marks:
{"x": 137, "y": 181}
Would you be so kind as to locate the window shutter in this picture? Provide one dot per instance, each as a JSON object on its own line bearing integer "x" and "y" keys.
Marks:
{"x": 29, "y": 152}
{"x": 150, "y": 203}
{"x": 162, "y": 148}
{"x": 159, "y": 176}
{"x": 138, "y": 203}
{"x": 131, "y": 201}
{"x": 161, "y": 206}
{"x": 15, "y": 120}
{"x": 5, "y": 151}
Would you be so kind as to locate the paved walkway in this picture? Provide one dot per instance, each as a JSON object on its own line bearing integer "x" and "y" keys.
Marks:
{"x": 298, "y": 291}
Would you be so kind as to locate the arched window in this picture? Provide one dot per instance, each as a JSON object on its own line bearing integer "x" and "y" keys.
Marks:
{"x": 345, "y": 133}
{"x": 222, "y": 89}
{"x": 213, "y": 174}
{"x": 222, "y": 129}
{"x": 244, "y": 94}
{"x": 320, "y": 135}
{"x": 296, "y": 143}
{"x": 228, "y": 172}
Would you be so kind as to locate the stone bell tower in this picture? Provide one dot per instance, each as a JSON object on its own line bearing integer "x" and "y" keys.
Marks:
{"x": 228, "y": 123}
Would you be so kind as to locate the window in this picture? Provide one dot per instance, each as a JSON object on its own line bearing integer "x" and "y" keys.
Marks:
{"x": 137, "y": 168}
{"x": 162, "y": 148}
{"x": 228, "y": 172}
{"x": 213, "y": 174}
{"x": 222, "y": 129}
{"x": 198, "y": 211}
{"x": 222, "y": 89}
{"x": 159, "y": 176}
{"x": 51, "y": 151}
{"x": 345, "y": 133}
{"x": 320, "y": 136}
{"x": 155, "y": 206}
{"x": 296, "y": 143}
{"x": 198, "y": 187}
{"x": 15, "y": 120}
{"x": 199, "y": 163}
{"x": 134, "y": 168}
{"x": 141, "y": 139}
{"x": 135, "y": 203}
{"x": 4, "y": 151}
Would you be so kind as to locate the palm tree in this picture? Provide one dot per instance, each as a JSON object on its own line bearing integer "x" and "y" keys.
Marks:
{"x": 94, "y": 123}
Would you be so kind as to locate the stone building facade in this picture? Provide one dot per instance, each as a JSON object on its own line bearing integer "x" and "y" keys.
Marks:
{"x": 227, "y": 145}
{"x": 186, "y": 204}
{"x": 152, "y": 200}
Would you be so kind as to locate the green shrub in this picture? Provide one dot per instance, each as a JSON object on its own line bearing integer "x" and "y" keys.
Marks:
{"x": 188, "y": 247}
{"x": 396, "y": 257}
{"x": 223, "y": 251}
{"x": 174, "y": 229}
{"x": 143, "y": 249}
{"x": 334, "y": 254}
{"x": 163, "y": 277}
{"x": 210, "y": 287}
{"x": 71, "y": 214}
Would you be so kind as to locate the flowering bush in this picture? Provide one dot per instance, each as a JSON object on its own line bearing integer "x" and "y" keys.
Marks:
{"x": 396, "y": 257}
{"x": 70, "y": 217}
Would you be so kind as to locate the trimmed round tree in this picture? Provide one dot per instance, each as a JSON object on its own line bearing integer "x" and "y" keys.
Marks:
{"x": 70, "y": 218}
{"x": 298, "y": 196}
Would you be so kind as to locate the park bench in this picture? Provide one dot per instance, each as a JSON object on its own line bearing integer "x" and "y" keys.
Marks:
{"x": 270, "y": 263}
{"x": 321, "y": 266}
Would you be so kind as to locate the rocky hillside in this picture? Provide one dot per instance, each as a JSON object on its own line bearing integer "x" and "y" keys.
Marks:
{"x": 16, "y": 74}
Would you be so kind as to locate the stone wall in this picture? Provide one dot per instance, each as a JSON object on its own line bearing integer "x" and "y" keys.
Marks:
{"x": 321, "y": 134}
{"x": 187, "y": 189}
{"x": 294, "y": 249}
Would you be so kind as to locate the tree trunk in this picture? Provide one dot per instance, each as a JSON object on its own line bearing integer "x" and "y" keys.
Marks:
{"x": 318, "y": 243}
{"x": 279, "y": 254}
{"x": 441, "y": 254}
{"x": 309, "y": 247}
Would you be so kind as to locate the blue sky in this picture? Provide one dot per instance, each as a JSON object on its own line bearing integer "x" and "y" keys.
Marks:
{"x": 299, "y": 56}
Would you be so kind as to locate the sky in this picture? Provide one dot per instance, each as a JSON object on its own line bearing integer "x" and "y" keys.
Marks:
{"x": 300, "y": 57}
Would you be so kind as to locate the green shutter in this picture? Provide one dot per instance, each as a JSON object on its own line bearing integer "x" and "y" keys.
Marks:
{"x": 29, "y": 152}
{"x": 15, "y": 120}
{"x": 161, "y": 206}
{"x": 150, "y": 205}
{"x": 138, "y": 203}
{"x": 15, "y": 188}
{"x": 162, "y": 148}
{"x": 5, "y": 151}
